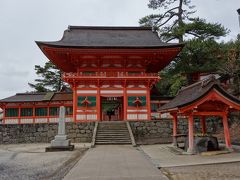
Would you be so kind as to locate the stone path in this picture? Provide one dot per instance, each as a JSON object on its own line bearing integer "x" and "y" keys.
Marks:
{"x": 162, "y": 156}
{"x": 114, "y": 162}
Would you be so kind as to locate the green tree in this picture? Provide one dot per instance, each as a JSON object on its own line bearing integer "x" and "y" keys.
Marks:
{"x": 171, "y": 83}
{"x": 198, "y": 56}
{"x": 230, "y": 64}
{"x": 175, "y": 21}
{"x": 50, "y": 78}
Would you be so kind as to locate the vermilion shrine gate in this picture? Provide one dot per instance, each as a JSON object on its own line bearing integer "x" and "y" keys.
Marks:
{"x": 110, "y": 65}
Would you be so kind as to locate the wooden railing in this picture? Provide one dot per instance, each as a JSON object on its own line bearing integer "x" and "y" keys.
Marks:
{"x": 108, "y": 74}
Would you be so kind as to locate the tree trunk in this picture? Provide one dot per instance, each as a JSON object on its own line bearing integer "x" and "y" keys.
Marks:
{"x": 180, "y": 20}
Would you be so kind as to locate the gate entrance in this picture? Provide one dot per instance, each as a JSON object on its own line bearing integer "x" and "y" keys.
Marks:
{"x": 111, "y": 108}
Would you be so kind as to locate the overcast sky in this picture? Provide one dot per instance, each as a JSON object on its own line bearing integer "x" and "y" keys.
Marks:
{"x": 24, "y": 21}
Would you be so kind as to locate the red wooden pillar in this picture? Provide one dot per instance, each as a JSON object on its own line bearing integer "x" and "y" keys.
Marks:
{"x": 203, "y": 124}
{"x": 4, "y": 114}
{"x": 34, "y": 107}
{"x": 125, "y": 103}
{"x": 148, "y": 104}
{"x": 74, "y": 103}
{"x": 175, "y": 120}
{"x": 48, "y": 112}
{"x": 98, "y": 104}
{"x": 226, "y": 131}
{"x": 19, "y": 114}
{"x": 190, "y": 135}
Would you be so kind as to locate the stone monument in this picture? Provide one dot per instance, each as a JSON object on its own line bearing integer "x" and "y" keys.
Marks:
{"x": 61, "y": 142}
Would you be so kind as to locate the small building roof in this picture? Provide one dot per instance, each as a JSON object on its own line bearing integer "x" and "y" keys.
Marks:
{"x": 109, "y": 37}
{"x": 38, "y": 97}
{"x": 193, "y": 93}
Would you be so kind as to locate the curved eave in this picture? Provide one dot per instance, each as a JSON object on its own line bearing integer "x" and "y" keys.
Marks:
{"x": 59, "y": 44}
{"x": 216, "y": 87}
{"x": 150, "y": 50}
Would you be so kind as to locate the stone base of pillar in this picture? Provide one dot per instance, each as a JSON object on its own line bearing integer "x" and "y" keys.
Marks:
{"x": 60, "y": 140}
{"x": 230, "y": 149}
{"x": 174, "y": 143}
{"x": 60, "y": 143}
{"x": 59, "y": 148}
{"x": 190, "y": 151}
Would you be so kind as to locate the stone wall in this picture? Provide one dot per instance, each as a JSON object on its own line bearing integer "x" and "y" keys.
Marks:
{"x": 44, "y": 133}
{"x": 145, "y": 132}
{"x": 160, "y": 131}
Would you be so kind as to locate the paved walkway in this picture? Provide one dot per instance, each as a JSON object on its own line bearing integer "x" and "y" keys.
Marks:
{"x": 163, "y": 155}
{"x": 114, "y": 162}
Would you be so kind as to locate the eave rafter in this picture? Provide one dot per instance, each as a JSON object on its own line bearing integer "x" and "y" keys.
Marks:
{"x": 68, "y": 58}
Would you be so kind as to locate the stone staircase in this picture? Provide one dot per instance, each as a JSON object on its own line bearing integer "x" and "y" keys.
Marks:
{"x": 115, "y": 132}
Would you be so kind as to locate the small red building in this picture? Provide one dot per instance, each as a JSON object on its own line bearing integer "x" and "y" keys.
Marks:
{"x": 202, "y": 99}
{"x": 109, "y": 69}
{"x": 25, "y": 108}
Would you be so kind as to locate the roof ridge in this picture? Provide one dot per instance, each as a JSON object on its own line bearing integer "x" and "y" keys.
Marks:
{"x": 190, "y": 86}
{"x": 203, "y": 83}
{"x": 70, "y": 27}
{"x": 64, "y": 92}
{"x": 31, "y": 93}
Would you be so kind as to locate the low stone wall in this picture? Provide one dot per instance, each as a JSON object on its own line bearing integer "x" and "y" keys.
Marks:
{"x": 160, "y": 131}
{"x": 145, "y": 132}
{"x": 44, "y": 133}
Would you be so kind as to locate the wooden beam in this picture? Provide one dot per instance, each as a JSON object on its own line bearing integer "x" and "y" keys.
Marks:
{"x": 205, "y": 113}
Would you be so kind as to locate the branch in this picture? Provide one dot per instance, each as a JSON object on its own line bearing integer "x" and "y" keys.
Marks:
{"x": 171, "y": 28}
{"x": 175, "y": 14}
{"x": 168, "y": 11}
{"x": 194, "y": 34}
{"x": 171, "y": 39}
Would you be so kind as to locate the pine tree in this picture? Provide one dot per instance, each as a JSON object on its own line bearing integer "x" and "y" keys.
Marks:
{"x": 176, "y": 21}
{"x": 50, "y": 78}
{"x": 230, "y": 64}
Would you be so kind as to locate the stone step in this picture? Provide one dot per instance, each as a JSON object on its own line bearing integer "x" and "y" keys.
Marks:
{"x": 118, "y": 131}
{"x": 121, "y": 141}
{"x": 112, "y": 122}
{"x": 113, "y": 133}
{"x": 105, "y": 143}
{"x": 113, "y": 140}
{"x": 112, "y": 128}
{"x": 122, "y": 138}
{"x": 113, "y": 136}
{"x": 126, "y": 141}
{"x": 107, "y": 127}
{"x": 112, "y": 125}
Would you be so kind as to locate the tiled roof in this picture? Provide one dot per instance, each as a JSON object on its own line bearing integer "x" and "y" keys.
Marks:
{"x": 114, "y": 37}
{"x": 196, "y": 91}
{"x": 62, "y": 96}
{"x": 38, "y": 97}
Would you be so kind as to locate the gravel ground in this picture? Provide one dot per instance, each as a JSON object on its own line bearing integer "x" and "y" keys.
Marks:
{"x": 31, "y": 162}
{"x": 225, "y": 171}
